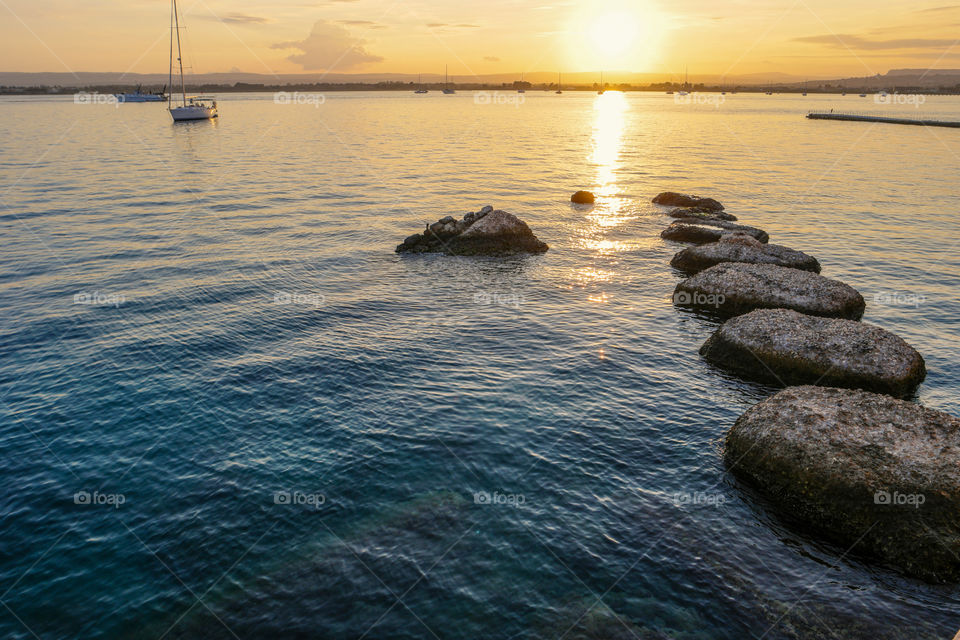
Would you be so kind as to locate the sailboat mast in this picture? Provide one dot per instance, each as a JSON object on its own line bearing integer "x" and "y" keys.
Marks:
{"x": 176, "y": 19}
{"x": 170, "y": 66}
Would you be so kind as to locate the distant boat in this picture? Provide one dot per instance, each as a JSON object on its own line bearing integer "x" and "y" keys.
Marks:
{"x": 446, "y": 82}
{"x": 863, "y": 95}
{"x": 559, "y": 85}
{"x": 420, "y": 84}
{"x": 140, "y": 96}
{"x": 882, "y": 93}
{"x": 600, "y": 92}
{"x": 669, "y": 93}
{"x": 769, "y": 93}
{"x": 194, "y": 107}
{"x": 686, "y": 84}
{"x": 521, "y": 90}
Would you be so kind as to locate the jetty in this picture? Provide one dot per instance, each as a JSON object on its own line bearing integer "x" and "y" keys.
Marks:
{"x": 825, "y": 115}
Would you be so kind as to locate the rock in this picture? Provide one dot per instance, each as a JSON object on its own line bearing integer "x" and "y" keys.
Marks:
{"x": 492, "y": 233}
{"x": 582, "y": 197}
{"x": 876, "y": 475}
{"x": 738, "y": 247}
{"x": 779, "y": 345}
{"x": 734, "y": 288}
{"x": 708, "y": 231}
{"x": 700, "y": 213}
{"x": 671, "y": 199}
{"x": 487, "y": 209}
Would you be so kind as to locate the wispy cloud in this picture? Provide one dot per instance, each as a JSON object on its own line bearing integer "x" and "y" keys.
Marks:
{"x": 238, "y": 18}
{"x": 849, "y": 41}
{"x": 329, "y": 46}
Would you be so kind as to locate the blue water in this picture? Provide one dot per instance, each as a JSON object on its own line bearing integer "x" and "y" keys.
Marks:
{"x": 472, "y": 448}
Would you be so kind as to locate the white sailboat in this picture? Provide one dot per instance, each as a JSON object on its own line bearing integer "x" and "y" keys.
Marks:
{"x": 194, "y": 107}
{"x": 420, "y": 84}
{"x": 600, "y": 92}
{"x": 446, "y": 81}
{"x": 559, "y": 84}
{"x": 686, "y": 84}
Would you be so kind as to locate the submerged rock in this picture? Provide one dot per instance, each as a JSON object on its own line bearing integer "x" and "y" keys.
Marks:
{"x": 486, "y": 232}
{"x": 738, "y": 247}
{"x": 700, "y": 213}
{"x": 734, "y": 288}
{"x": 672, "y": 199}
{"x": 779, "y": 345}
{"x": 876, "y": 475}
{"x": 704, "y": 231}
{"x": 582, "y": 197}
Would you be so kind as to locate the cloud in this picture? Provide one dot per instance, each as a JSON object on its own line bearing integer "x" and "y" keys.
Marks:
{"x": 369, "y": 24}
{"x": 239, "y": 18}
{"x": 952, "y": 7}
{"x": 847, "y": 41}
{"x": 327, "y": 47}
{"x": 491, "y": 58}
{"x": 438, "y": 25}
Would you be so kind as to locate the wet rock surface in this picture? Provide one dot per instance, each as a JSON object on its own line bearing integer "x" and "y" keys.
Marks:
{"x": 878, "y": 476}
{"x": 734, "y": 288}
{"x": 487, "y": 232}
{"x": 673, "y": 199}
{"x": 582, "y": 197}
{"x": 786, "y": 347}
{"x": 738, "y": 247}
{"x": 701, "y": 213}
{"x": 705, "y": 231}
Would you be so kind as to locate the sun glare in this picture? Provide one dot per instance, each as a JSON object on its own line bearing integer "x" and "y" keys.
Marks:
{"x": 614, "y": 33}
{"x": 619, "y": 36}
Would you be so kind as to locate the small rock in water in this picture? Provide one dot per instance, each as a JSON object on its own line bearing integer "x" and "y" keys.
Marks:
{"x": 876, "y": 475}
{"x": 487, "y": 232}
{"x": 786, "y": 347}
{"x": 582, "y": 197}
{"x": 738, "y": 247}
{"x": 700, "y": 213}
{"x": 734, "y": 288}
{"x": 702, "y": 232}
{"x": 671, "y": 199}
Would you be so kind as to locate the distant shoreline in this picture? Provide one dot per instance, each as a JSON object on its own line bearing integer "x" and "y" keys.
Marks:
{"x": 409, "y": 87}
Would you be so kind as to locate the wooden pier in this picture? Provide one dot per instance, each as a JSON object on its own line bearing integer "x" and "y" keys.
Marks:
{"x": 821, "y": 115}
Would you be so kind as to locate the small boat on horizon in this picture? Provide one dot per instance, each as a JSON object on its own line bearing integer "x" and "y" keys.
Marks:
{"x": 447, "y": 90}
{"x": 194, "y": 107}
{"x": 420, "y": 88}
{"x": 559, "y": 84}
{"x": 140, "y": 96}
{"x": 600, "y": 92}
{"x": 521, "y": 90}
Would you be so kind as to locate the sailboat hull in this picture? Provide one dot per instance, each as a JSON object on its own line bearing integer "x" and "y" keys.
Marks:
{"x": 183, "y": 114}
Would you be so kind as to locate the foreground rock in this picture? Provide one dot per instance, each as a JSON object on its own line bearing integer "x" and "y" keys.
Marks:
{"x": 783, "y": 346}
{"x": 734, "y": 288}
{"x": 582, "y": 197}
{"x": 739, "y": 247}
{"x": 700, "y": 213}
{"x": 487, "y": 232}
{"x": 671, "y": 199}
{"x": 878, "y": 476}
{"x": 702, "y": 232}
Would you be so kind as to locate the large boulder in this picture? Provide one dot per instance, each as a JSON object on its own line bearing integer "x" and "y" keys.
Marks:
{"x": 582, "y": 197}
{"x": 734, "y": 288}
{"x": 876, "y": 475}
{"x": 704, "y": 231}
{"x": 672, "y": 199}
{"x": 738, "y": 247}
{"x": 786, "y": 347}
{"x": 700, "y": 213}
{"x": 486, "y": 232}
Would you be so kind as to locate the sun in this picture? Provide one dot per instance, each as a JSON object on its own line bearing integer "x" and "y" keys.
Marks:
{"x": 614, "y": 33}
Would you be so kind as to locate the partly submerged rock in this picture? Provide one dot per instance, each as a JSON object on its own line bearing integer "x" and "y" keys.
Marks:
{"x": 878, "y": 476}
{"x": 786, "y": 347}
{"x": 486, "y": 232}
{"x": 704, "y": 231}
{"x": 672, "y": 199}
{"x": 582, "y": 197}
{"x": 739, "y": 247}
{"x": 733, "y": 288}
{"x": 700, "y": 213}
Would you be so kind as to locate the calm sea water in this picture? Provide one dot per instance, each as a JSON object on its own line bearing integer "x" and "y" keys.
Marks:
{"x": 276, "y": 427}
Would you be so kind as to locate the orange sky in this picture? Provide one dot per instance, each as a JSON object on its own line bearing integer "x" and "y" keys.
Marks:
{"x": 815, "y": 38}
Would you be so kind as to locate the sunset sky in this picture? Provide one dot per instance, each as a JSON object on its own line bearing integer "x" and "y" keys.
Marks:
{"x": 817, "y": 38}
